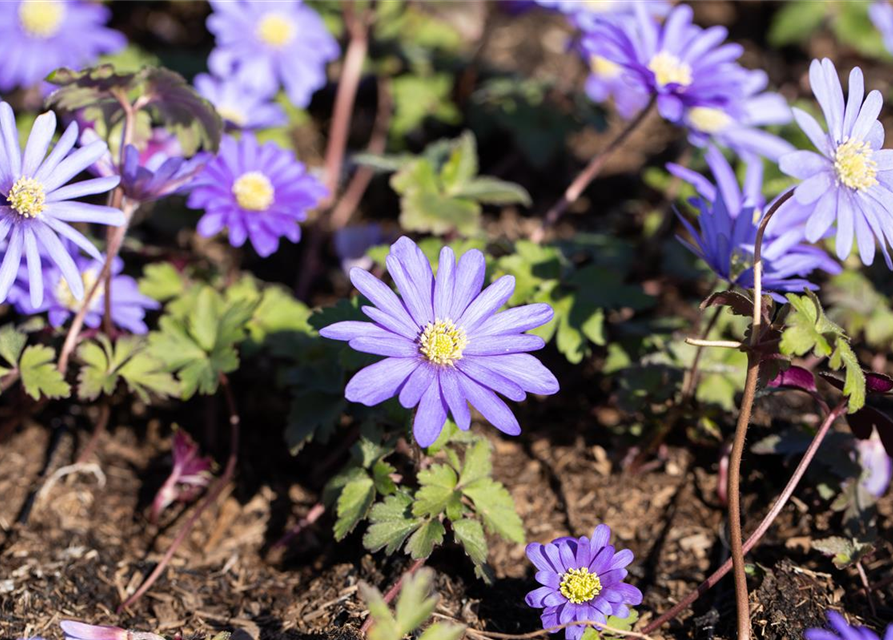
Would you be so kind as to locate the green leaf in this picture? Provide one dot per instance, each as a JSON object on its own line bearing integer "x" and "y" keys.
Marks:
{"x": 844, "y": 552}
{"x": 354, "y": 502}
{"x": 470, "y": 534}
{"x": 385, "y": 625}
{"x": 39, "y": 374}
{"x": 381, "y": 475}
{"x": 161, "y": 281}
{"x": 854, "y": 382}
{"x": 493, "y": 191}
{"x": 105, "y": 363}
{"x": 12, "y": 342}
{"x": 421, "y": 543}
{"x": 477, "y": 463}
{"x": 417, "y": 98}
{"x": 90, "y": 87}
{"x": 415, "y": 603}
{"x": 391, "y": 523}
{"x": 795, "y": 21}
{"x": 462, "y": 165}
{"x": 494, "y": 504}
{"x": 443, "y": 631}
{"x": 437, "y": 490}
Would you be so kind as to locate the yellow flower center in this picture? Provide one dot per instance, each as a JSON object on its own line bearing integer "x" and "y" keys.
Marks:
{"x": 604, "y": 68}
{"x": 66, "y": 298}
{"x": 40, "y": 18}
{"x": 668, "y": 69}
{"x": 232, "y": 115}
{"x": 579, "y": 586}
{"x": 254, "y": 191}
{"x": 708, "y": 119}
{"x": 442, "y": 342}
{"x": 27, "y": 197}
{"x": 276, "y": 30}
{"x": 854, "y": 165}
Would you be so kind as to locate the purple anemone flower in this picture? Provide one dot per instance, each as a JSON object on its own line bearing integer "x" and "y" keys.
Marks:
{"x": 877, "y": 465}
{"x": 843, "y": 631}
{"x": 851, "y": 177}
{"x": 38, "y": 205}
{"x": 881, "y": 14}
{"x": 129, "y": 306}
{"x": 737, "y": 125}
{"x": 607, "y": 79}
{"x": 728, "y": 231}
{"x": 677, "y": 62}
{"x": 39, "y": 36}
{"x": 153, "y": 170}
{"x": 190, "y": 475}
{"x": 582, "y": 580}
{"x": 263, "y": 43}
{"x": 258, "y": 192}
{"x": 82, "y": 631}
{"x": 238, "y": 105}
{"x": 586, "y": 13}
{"x": 445, "y": 344}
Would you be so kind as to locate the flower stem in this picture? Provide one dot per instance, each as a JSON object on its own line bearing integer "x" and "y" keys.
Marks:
{"x": 393, "y": 591}
{"x": 105, "y": 412}
{"x": 210, "y": 499}
{"x": 114, "y": 246}
{"x": 724, "y": 344}
{"x": 764, "y": 525}
{"x": 576, "y": 188}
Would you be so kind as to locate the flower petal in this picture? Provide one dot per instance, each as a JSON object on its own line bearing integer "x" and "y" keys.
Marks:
{"x": 490, "y": 406}
{"x": 380, "y": 381}
{"x": 430, "y": 417}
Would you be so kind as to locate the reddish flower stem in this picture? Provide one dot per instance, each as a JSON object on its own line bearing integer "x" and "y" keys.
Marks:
{"x": 578, "y": 186}
{"x": 393, "y": 591}
{"x": 210, "y": 498}
{"x": 105, "y": 413}
{"x": 764, "y": 525}
{"x": 315, "y": 513}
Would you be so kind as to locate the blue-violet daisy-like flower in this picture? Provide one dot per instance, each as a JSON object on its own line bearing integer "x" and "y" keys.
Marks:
{"x": 74, "y": 630}
{"x": 582, "y": 581}
{"x": 39, "y": 36}
{"x": 263, "y": 43}
{"x": 238, "y": 105}
{"x": 849, "y": 180}
{"x": 679, "y": 63}
{"x": 259, "y": 192}
{"x": 736, "y": 126}
{"x": 728, "y": 220}
{"x": 444, "y": 343}
{"x": 38, "y": 201}
{"x": 877, "y": 465}
{"x": 129, "y": 306}
{"x": 843, "y": 631}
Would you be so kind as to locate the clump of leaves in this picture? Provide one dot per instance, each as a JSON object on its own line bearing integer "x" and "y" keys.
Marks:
{"x": 105, "y": 364}
{"x": 34, "y": 365}
{"x": 440, "y": 190}
{"x": 415, "y": 605}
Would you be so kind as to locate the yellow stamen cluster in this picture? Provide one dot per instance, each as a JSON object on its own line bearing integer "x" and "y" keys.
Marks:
{"x": 603, "y": 68}
{"x": 27, "y": 197}
{"x": 708, "y": 119}
{"x": 276, "y": 30}
{"x": 232, "y": 115}
{"x": 668, "y": 69}
{"x": 41, "y": 19}
{"x": 579, "y": 586}
{"x": 442, "y": 342}
{"x": 254, "y": 191}
{"x": 66, "y": 298}
{"x": 854, "y": 165}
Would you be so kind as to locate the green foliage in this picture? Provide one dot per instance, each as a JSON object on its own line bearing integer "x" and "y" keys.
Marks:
{"x": 12, "y": 342}
{"x": 797, "y": 20}
{"x": 40, "y": 377}
{"x": 808, "y": 330}
{"x": 415, "y": 605}
{"x": 861, "y": 309}
{"x": 613, "y": 622}
{"x": 161, "y": 281}
{"x": 844, "y": 552}
{"x": 162, "y": 94}
{"x": 106, "y": 363}
{"x": 419, "y": 97}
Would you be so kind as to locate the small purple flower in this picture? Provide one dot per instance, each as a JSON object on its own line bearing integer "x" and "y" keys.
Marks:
{"x": 585, "y": 13}
{"x": 444, "y": 343}
{"x": 881, "y": 14}
{"x": 129, "y": 306}
{"x": 736, "y": 126}
{"x": 82, "y": 631}
{"x": 679, "y": 63}
{"x": 877, "y": 466}
{"x": 239, "y": 105}
{"x": 849, "y": 180}
{"x": 38, "y": 201}
{"x": 582, "y": 580}
{"x": 843, "y": 631}
{"x": 262, "y": 44}
{"x": 728, "y": 231}
{"x": 190, "y": 475}
{"x": 39, "y": 36}
{"x": 258, "y": 192}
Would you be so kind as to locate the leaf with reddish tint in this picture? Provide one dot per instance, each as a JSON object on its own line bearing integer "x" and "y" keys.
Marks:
{"x": 878, "y": 382}
{"x": 796, "y": 378}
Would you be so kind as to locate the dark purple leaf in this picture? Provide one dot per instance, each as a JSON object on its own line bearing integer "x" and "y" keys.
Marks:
{"x": 865, "y": 420}
{"x": 796, "y": 378}
{"x": 878, "y": 382}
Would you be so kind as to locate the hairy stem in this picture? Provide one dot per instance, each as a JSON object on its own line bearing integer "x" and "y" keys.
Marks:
{"x": 576, "y": 188}
{"x": 114, "y": 246}
{"x": 764, "y": 525}
{"x": 393, "y": 591}
{"x": 210, "y": 498}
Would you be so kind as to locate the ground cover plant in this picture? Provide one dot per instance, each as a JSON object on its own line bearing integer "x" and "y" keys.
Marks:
{"x": 489, "y": 320}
